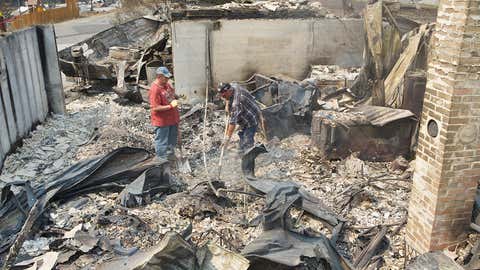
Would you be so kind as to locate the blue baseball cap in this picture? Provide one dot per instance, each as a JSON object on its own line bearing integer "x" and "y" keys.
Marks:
{"x": 164, "y": 72}
{"x": 224, "y": 87}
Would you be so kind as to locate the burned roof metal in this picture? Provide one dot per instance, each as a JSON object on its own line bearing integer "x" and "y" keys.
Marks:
{"x": 245, "y": 13}
{"x": 381, "y": 116}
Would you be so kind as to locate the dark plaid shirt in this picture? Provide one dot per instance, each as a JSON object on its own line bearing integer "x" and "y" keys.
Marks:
{"x": 244, "y": 111}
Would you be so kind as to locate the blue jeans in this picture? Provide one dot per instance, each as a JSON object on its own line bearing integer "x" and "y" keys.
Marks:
{"x": 165, "y": 140}
{"x": 247, "y": 136}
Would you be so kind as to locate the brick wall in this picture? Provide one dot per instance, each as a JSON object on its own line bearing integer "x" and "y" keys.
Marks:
{"x": 448, "y": 165}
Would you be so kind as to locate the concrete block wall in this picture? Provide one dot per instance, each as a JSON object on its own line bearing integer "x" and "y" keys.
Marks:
{"x": 30, "y": 84}
{"x": 447, "y": 168}
{"x": 240, "y": 48}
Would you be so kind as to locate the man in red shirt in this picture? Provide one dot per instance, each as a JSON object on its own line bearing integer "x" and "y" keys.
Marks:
{"x": 164, "y": 114}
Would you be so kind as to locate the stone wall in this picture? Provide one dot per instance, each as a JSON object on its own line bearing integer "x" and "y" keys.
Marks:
{"x": 448, "y": 164}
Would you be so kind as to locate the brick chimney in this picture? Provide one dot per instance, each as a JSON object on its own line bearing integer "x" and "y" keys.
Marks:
{"x": 447, "y": 168}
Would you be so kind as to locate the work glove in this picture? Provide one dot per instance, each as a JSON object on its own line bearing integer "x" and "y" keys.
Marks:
{"x": 174, "y": 103}
{"x": 225, "y": 142}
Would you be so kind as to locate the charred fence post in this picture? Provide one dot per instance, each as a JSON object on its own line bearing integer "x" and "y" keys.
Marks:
{"x": 51, "y": 70}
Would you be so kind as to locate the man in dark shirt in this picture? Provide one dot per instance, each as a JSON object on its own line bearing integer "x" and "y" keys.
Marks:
{"x": 244, "y": 112}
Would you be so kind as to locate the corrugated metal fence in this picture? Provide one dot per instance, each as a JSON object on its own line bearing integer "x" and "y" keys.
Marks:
{"x": 54, "y": 15}
{"x": 29, "y": 79}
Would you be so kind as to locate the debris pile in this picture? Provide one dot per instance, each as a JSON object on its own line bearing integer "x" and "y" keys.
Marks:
{"x": 114, "y": 57}
{"x": 326, "y": 76}
{"x": 100, "y": 215}
{"x": 376, "y": 133}
{"x": 376, "y": 114}
{"x": 272, "y": 6}
{"x": 286, "y": 104}
{"x": 98, "y": 6}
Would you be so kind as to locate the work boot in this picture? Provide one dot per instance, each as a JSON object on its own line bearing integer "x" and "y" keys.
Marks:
{"x": 172, "y": 161}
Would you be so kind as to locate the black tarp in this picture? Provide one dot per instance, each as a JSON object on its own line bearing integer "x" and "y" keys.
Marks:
{"x": 308, "y": 202}
{"x": 279, "y": 246}
{"x": 172, "y": 253}
{"x": 111, "y": 172}
{"x": 288, "y": 106}
{"x": 153, "y": 181}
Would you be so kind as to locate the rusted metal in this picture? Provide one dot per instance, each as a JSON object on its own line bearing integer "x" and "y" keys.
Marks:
{"x": 414, "y": 91}
{"x": 377, "y": 133}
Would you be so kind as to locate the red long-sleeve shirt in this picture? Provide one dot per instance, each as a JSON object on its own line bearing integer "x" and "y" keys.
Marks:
{"x": 163, "y": 95}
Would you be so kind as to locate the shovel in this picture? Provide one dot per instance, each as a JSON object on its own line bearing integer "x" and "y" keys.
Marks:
{"x": 222, "y": 151}
{"x": 183, "y": 165}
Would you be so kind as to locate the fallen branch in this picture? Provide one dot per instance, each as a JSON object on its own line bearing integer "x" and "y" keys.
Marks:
{"x": 372, "y": 184}
{"x": 365, "y": 256}
{"x": 400, "y": 223}
{"x": 22, "y": 235}
{"x": 359, "y": 187}
{"x": 222, "y": 238}
{"x": 350, "y": 199}
{"x": 390, "y": 179}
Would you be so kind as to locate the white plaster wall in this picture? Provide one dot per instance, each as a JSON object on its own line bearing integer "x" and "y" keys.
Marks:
{"x": 189, "y": 59}
{"x": 240, "y": 48}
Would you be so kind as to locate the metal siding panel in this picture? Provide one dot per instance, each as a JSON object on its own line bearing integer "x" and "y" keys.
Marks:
{"x": 38, "y": 75}
{"x": 2, "y": 157}
{"x": 21, "y": 83}
{"x": 7, "y": 97}
{"x": 380, "y": 116}
{"x": 28, "y": 67}
{"x": 51, "y": 70}
{"x": 21, "y": 119}
{"x": 4, "y": 136}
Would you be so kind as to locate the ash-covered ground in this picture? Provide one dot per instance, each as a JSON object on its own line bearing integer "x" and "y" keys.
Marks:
{"x": 96, "y": 125}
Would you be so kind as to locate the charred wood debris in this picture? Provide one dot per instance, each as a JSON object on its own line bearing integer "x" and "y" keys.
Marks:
{"x": 327, "y": 189}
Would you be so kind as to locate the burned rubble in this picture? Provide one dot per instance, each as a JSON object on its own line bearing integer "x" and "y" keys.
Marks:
{"x": 216, "y": 220}
{"x": 211, "y": 218}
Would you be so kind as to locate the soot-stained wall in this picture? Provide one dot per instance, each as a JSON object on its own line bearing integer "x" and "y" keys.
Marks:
{"x": 240, "y": 48}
